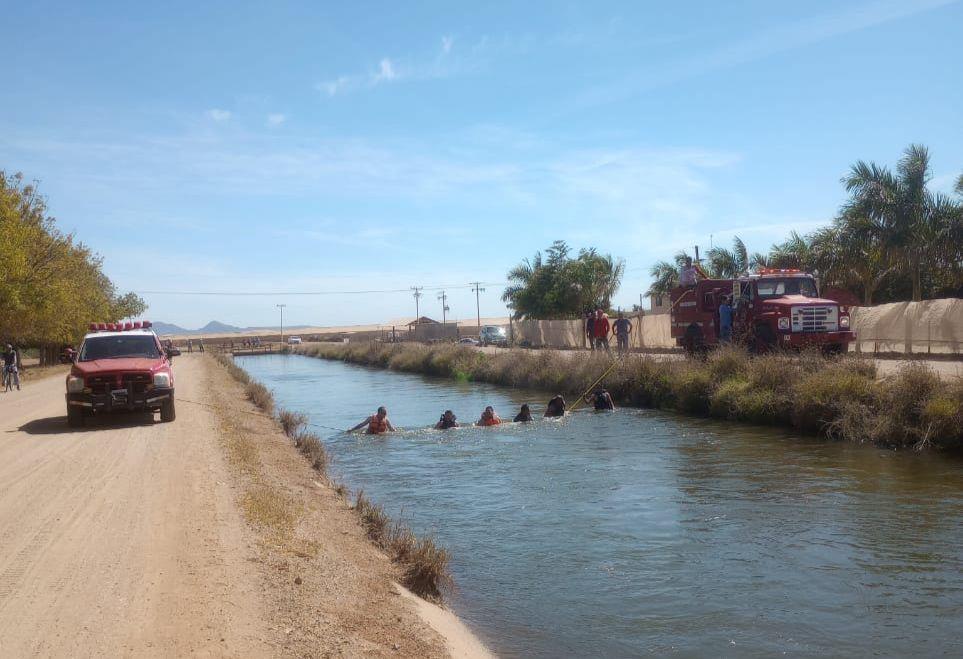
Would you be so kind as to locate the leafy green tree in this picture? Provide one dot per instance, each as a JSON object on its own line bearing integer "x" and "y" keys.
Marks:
{"x": 559, "y": 286}
{"x": 911, "y": 222}
{"x": 51, "y": 285}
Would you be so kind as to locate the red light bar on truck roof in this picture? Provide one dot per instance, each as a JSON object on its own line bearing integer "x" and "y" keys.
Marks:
{"x": 778, "y": 271}
{"x": 119, "y": 327}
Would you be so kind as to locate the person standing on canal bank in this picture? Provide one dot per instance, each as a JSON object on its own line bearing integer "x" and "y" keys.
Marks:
{"x": 590, "y": 329}
{"x": 377, "y": 423}
{"x": 622, "y": 328}
{"x": 725, "y": 320}
{"x": 600, "y": 329}
{"x": 190, "y": 346}
{"x": 555, "y": 407}
{"x": 489, "y": 418}
{"x": 524, "y": 415}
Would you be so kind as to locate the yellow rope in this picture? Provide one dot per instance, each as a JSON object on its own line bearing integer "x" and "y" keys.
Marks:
{"x": 601, "y": 377}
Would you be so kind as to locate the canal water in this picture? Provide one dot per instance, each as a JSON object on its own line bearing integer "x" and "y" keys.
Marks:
{"x": 642, "y": 533}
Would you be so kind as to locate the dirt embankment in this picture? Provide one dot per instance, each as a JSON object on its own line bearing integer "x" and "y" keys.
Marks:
{"x": 209, "y": 535}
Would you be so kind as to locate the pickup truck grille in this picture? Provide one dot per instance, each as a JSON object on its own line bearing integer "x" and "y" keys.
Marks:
{"x": 103, "y": 384}
{"x": 815, "y": 319}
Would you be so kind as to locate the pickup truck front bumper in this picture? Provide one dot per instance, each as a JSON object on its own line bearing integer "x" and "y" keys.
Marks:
{"x": 121, "y": 399}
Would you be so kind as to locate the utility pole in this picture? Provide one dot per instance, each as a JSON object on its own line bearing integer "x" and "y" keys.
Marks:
{"x": 281, "y": 307}
{"x": 418, "y": 294}
{"x": 444, "y": 307}
{"x": 475, "y": 287}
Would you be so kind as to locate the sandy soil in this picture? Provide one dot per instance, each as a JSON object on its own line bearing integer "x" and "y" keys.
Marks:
{"x": 135, "y": 538}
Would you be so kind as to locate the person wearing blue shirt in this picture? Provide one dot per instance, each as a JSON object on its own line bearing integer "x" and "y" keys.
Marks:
{"x": 725, "y": 320}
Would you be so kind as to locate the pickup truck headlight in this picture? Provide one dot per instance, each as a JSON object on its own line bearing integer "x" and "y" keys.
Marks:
{"x": 784, "y": 323}
{"x": 75, "y": 384}
{"x": 844, "y": 321}
{"x": 162, "y": 380}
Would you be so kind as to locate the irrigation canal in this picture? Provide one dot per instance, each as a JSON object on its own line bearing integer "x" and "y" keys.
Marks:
{"x": 638, "y": 532}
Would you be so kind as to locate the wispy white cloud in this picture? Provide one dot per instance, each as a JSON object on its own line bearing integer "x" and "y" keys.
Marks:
{"x": 446, "y": 43}
{"x": 385, "y": 73}
{"x": 218, "y": 114}
{"x": 276, "y": 119}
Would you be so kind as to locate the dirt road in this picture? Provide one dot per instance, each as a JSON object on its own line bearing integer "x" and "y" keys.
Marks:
{"x": 121, "y": 538}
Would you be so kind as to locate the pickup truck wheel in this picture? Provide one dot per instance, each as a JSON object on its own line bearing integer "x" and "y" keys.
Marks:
{"x": 75, "y": 416}
{"x": 167, "y": 410}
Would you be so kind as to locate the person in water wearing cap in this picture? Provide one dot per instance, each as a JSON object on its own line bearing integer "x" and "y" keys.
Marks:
{"x": 555, "y": 407}
{"x": 489, "y": 418}
{"x": 447, "y": 420}
{"x": 377, "y": 423}
{"x": 602, "y": 399}
{"x": 524, "y": 415}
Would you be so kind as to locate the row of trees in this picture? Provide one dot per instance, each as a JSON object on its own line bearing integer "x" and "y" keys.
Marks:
{"x": 562, "y": 286}
{"x": 893, "y": 239}
{"x": 51, "y": 286}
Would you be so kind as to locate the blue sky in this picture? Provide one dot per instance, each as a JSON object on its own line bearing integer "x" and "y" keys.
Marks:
{"x": 301, "y": 147}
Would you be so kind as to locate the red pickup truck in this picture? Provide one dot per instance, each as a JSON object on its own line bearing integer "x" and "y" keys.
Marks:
{"x": 120, "y": 366}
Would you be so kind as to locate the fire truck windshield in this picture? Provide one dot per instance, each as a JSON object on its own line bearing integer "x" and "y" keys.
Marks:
{"x": 119, "y": 346}
{"x": 769, "y": 288}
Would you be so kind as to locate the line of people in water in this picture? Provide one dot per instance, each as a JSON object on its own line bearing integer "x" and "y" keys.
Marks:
{"x": 378, "y": 423}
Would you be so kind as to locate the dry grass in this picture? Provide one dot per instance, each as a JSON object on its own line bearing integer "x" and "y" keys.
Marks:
{"x": 269, "y": 508}
{"x": 838, "y": 398}
{"x": 424, "y": 564}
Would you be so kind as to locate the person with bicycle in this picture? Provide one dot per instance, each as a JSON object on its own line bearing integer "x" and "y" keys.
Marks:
{"x": 11, "y": 373}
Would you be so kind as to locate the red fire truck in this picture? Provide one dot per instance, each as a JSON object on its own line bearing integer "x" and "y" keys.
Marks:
{"x": 771, "y": 308}
{"x": 120, "y": 366}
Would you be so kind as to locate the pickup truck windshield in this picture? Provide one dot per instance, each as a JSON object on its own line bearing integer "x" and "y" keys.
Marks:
{"x": 115, "y": 347}
{"x": 769, "y": 288}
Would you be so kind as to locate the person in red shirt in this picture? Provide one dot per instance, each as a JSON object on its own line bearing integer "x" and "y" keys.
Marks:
{"x": 600, "y": 329}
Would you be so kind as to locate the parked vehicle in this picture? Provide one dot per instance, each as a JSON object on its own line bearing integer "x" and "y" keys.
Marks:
{"x": 493, "y": 335}
{"x": 294, "y": 340}
{"x": 120, "y": 366}
{"x": 468, "y": 341}
{"x": 771, "y": 308}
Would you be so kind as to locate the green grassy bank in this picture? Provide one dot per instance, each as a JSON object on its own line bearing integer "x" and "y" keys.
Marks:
{"x": 839, "y": 398}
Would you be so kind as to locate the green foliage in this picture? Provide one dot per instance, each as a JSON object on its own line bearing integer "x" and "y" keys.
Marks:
{"x": 52, "y": 287}
{"x": 559, "y": 286}
{"x": 893, "y": 239}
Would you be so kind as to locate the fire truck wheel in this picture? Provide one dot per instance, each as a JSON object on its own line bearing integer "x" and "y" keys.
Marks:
{"x": 167, "y": 411}
{"x": 765, "y": 339}
{"x": 693, "y": 342}
{"x": 833, "y": 349}
{"x": 75, "y": 417}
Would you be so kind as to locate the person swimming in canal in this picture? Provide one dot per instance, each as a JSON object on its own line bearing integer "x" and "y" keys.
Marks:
{"x": 555, "y": 407}
{"x": 601, "y": 399}
{"x": 377, "y": 423}
{"x": 489, "y": 418}
{"x": 524, "y": 415}
{"x": 447, "y": 420}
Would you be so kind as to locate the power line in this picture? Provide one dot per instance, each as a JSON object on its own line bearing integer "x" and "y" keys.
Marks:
{"x": 292, "y": 293}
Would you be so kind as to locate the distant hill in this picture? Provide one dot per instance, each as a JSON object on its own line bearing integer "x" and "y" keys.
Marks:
{"x": 213, "y": 327}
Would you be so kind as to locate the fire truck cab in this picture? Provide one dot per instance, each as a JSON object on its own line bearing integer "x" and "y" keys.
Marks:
{"x": 771, "y": 308}
{"x": 120, "y": 366}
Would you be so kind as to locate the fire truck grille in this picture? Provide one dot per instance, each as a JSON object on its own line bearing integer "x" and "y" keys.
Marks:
{"x": 815, "y": 319}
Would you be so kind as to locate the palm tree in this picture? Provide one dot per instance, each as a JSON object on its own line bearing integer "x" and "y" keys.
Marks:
{"x": 728, "y": 264}
{"x": 908, "y": 220}
{"x": 665, "y": 275}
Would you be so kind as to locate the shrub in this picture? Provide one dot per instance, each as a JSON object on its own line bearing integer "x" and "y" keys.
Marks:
{"x": 260, "y": 395}
{"x": 311, "y": 447}
{"x": 820, "y": 396}
{"x": 291, "y": 422}
{"x": 692, "y": 389}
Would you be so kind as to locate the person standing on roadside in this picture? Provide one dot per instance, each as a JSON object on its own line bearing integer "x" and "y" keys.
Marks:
{"x": 11, "y": 368}
{"x": 590, "y": 329}
{"x": 601, "y": 328}
{"x": 622, "y": 328}
{"x": 190, "y": 346}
